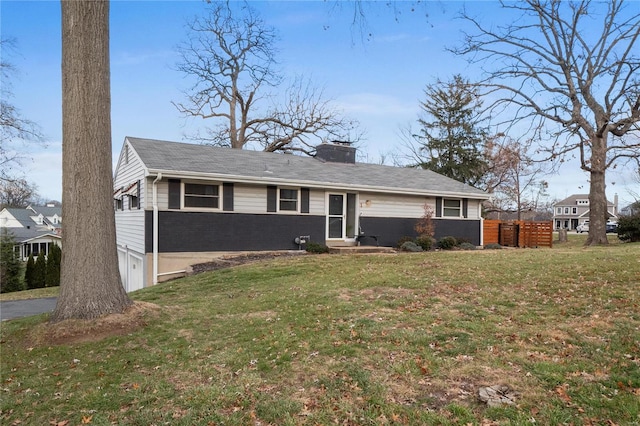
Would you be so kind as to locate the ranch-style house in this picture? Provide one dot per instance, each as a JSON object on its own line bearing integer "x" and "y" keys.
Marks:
{"x": 178, "y": 204}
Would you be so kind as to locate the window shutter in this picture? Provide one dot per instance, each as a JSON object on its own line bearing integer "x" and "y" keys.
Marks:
{"x": 272, "y": 198}
{"x": 138, "y": 195}
{"x": 465, "y": 207}
{"x": 227, "y": 196}
{"x": 174, "y": 194}
{"x": 438, "y": 206}
{"x": 304, "y": 200}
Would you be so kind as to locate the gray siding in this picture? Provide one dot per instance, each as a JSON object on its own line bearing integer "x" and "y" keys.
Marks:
{"x": 130, "y": 222}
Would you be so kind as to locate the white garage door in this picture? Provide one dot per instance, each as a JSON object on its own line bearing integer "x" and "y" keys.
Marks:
{"x": 135, "y": 277}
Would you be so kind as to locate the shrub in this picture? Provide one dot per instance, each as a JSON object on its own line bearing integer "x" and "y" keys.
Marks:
{"x": 493, "y": 246}
{"x": 403, "y": 240}
{"x": 40, "y": 271}
{"x": 447, "y": 243}
{"x": 410, "y": 246}
{"x": 29, "y": 281}
{"x": 52, "y": 276}
{"x": 425, "y": 242}
{"x": 467, "y": 246}
{"x": 316, "y": 248}
{"x": 629, "y": 228}
{"x": 10, "y": 265}
{"x": 425, "y": 227}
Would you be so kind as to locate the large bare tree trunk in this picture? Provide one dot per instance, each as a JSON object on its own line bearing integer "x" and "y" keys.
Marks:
{"x": 597, "y": 193}
{"x": 90, "y": 279}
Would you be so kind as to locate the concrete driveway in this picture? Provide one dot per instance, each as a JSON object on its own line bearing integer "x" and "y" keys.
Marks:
{"x": 25, "y": 308}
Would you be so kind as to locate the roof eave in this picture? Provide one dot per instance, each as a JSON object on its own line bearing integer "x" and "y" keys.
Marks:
{"x": 311, "y": 184}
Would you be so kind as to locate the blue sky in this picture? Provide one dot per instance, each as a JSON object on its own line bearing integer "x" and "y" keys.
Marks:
{"x": 378, "y": 80}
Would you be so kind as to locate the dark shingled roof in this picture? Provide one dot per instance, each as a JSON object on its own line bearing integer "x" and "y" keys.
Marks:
{"x": 190, "y": 159}
{"x": 573, "y": 200}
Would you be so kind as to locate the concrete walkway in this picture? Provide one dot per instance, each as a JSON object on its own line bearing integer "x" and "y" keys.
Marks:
{"x": 12, "y": 309}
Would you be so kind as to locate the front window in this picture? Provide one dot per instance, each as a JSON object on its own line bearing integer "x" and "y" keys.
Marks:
{"x": 133, "y": 202}
{"x": 288, "y": 199}
{"x": 204, "y": 196}
{"x": 566, "y": 210}
{"x": 574, "y": 210}
{"x": 559, "y": 210}
{"x": 451, "y": 208}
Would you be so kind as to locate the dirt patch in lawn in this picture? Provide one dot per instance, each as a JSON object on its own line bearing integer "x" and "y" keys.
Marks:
{"x": 242, "y": 259}
{"x": 80, "y": 331}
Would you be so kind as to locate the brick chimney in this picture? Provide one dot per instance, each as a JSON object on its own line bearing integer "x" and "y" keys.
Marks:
{"x": 336, "y": 152}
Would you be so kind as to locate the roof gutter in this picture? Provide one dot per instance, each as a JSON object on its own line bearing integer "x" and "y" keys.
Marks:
{"x": 155, "y": 227}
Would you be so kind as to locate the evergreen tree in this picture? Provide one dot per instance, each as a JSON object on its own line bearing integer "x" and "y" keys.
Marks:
{"x": 10, "y": 265}
{"x": 29, "y": 279}
{"x": 52, "y": 278}
{"x": 40, "y": 271}
{"x": 451, "y": 140}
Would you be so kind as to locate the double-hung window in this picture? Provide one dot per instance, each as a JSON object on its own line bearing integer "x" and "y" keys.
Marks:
{"x": 201, "y": 196}
{"x": 134, "y": 203}
{"x": 288, "y": 200}
{"x": 451, "y": 208}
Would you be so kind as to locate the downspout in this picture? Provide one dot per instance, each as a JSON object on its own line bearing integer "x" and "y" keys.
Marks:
{"x": 155, "y": 228}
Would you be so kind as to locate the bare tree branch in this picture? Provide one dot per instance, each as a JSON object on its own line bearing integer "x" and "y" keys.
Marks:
{"x": 231, "y": 58}
{"x": 577, "y": 80}
{"x": 15, "y": 130}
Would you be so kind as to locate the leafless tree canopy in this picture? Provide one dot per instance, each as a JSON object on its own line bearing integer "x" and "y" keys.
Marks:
{"x": 14, "y": 128}
{"x": 514, "y": 179}
{"x": 572, "y": 69}
{"x": 17, "y": 193}
{"x": 231, "y": 59}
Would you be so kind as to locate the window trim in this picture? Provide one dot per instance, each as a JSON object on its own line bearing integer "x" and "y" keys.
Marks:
{"x": 132, "y": 205}
{"x": 279, "y": 199}
{"x": 445, "y": 207}
{"x": 183, "y": 195}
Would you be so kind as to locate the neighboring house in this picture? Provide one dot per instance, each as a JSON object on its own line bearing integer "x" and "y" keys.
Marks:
{"x": 574, "y": 211}
{"x": 179, "y": 204}
{"x": 33, "y": 228}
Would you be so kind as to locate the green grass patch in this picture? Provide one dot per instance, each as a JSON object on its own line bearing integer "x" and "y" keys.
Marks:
{"x": 362, "y": 339}
{"x": 30, "y": 294}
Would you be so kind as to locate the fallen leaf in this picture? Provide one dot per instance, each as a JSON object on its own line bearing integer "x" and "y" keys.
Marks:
{"x": 561, "y": 391}
{"x": 86, "y": 419}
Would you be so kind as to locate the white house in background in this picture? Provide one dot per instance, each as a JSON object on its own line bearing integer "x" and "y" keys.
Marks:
{"x": 33, "y": 228}
{"x": 179, "y": 204}
{"x": 574, "y": 211}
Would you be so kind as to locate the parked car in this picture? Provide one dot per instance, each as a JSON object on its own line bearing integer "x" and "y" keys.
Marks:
{"x": 612, "y": 227}
{"x": 583, "y": 227}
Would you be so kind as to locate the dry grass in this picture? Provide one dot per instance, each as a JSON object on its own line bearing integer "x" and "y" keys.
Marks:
{"x": 356, "y": 340}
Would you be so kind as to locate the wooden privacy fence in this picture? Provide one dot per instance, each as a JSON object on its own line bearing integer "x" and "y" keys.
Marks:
{"x": 518, "y": 233}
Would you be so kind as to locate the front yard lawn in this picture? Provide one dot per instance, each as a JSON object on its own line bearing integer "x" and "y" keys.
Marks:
{"x": 355, "y": 340}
